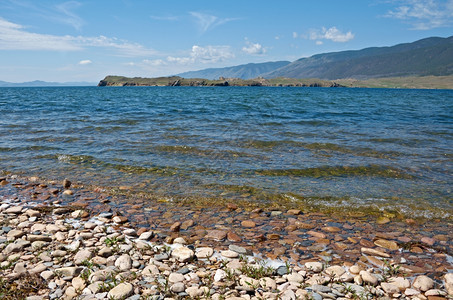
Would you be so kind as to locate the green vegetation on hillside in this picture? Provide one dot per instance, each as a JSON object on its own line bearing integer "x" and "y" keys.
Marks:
{"x": 423, "y": 82}
{"x": 430, "y": 56}
{"x": 179, "y": 81}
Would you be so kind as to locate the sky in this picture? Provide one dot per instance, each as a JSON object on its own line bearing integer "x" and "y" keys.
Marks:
{"x": 73, "y": 41}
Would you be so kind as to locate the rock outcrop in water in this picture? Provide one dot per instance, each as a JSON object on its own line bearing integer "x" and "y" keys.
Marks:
{"x": 179, "y": 81}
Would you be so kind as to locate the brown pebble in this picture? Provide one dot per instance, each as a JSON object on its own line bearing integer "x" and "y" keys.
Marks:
{"x": 410, "y": 222}
{"x": 233, "y": 237}
{"x": 316, "y": 234}
{"x": 382, "y": 220}
{"x": 216, "y": 235}
{"x": 273, "y": 236}
{"x": 416, "y": 249}
{"x": 366, "y": 243}
{"x": 248, "y": 224}
{"x": 175, "y": 227}
{"x": 294, "y": 212}
{"x": 391, "y": 245}
{"x": 232, "y": 206}
{"x": 429, "y": 241}
{"x": 331, "y": 229}
{"x": 66, "y": 183}
{"x": 187, "y": 224}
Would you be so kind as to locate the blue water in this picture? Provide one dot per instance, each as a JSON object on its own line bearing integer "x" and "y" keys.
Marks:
{"x": 383, "y": 149}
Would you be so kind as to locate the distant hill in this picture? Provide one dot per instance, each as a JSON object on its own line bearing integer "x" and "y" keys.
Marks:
{"x": 39, "y": 83}
{"x": 247, "y": 71}
{"x": 430, "y": 56}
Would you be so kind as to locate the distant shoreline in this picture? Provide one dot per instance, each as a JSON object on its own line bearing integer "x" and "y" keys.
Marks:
{"x": 423, "y": 82}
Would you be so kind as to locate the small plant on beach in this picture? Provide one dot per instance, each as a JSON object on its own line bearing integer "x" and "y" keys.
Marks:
{"x": 256, "y": 271}
{"x": 390, "y": 269}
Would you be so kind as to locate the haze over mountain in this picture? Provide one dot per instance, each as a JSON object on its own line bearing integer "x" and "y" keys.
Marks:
{"x": 430, "y": 56}
{"x": 247, "y": 71}
{"x": 39, "y": 83}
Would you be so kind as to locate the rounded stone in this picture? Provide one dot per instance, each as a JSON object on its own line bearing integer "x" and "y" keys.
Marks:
{"x": 423, "y": 283}
{"x": 124, "y": 262}
{"x": 183, "y": 254}
{"x": 248, "y": 224}
{"x": 178, "y": 287}
{"x": 314, "y": 266}
{"x": 204, "y": 252}
{"x": 121, "y": 291}
{"x": 175, "y": 277}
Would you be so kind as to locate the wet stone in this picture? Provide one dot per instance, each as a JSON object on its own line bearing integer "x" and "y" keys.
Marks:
{"x": 216, "y": 235}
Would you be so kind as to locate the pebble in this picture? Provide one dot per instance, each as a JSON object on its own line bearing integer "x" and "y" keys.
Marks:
{"x": 183, "y": 254}
{"x": 74, "y": 258}
{"x": 423, "y": 283}
{"x": 314, "y": 266}
{"x": 124, "y": 262}
{"x": 121, "y": 291}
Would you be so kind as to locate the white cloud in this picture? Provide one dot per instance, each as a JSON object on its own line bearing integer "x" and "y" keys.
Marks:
{"x": 319, "y": 42}
{"x": 254, "y": 49}
{"x": 15, "y": 37}
{"x": 332, "y": 34}
{"x": 165, "y": 18}
{"x": 206, "y": 22}
{"x": 208, "y": 54}
{"x": 85, "y": 62}
{"x": 295, "y": 35}
{"x": 424, "y": 14}
{"x": 154, "y": 62}
{"x": 69, "y": 16}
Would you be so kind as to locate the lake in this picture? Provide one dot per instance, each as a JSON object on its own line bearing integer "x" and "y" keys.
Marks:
{"x": 321, "y": 148}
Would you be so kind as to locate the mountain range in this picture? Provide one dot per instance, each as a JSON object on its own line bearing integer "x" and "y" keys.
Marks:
{"x": 247, "y": 71}
{"x": 429, "y": 56}
{"x": 39, "y": 83}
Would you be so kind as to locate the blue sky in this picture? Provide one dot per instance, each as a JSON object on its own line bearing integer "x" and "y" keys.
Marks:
{"x": 87, "y": 40}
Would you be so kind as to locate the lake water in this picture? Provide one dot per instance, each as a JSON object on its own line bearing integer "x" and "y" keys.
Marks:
{"x": 353, "y": 149}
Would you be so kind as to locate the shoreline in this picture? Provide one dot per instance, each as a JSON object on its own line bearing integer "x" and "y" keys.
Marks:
{"x": 290, "y": 237}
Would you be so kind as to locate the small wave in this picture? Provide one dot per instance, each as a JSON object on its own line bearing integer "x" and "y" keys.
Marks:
{"x": 339, "y": 171}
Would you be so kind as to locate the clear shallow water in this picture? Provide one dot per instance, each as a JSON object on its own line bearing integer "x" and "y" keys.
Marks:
{"x": 352, "y": 148}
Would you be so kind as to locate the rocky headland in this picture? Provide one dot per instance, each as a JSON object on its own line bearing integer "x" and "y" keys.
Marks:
{"x": 61, "y": 241}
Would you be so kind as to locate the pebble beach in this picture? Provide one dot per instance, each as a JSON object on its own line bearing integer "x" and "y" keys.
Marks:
{"x": 62, "y": 241}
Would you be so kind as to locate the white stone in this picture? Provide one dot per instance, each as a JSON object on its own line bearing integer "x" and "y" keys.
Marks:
{"x": 335, "y": 271}
{"x": 400, "y": 282}
{"x": 435, "y": 292}
{"x": 82, "y": 256}
{"x": 179, "y": 240}
{"x": 121, "y": 291}
{"x": 295, "y": 277}
{"x": 175, "y": 277}
{"x": 411, "y": 292}
{"x": 178, "y": 287}
{"x": 368, "y": 277}
{"x": 14, "y": 210}
{"x": 183, "y": 254}
{"x": 219, "y": 275}
{"x": 423, "y": 283}
{"x": 268, "y": 283}
{"x": 390, "y": 288}
{"x": 70, "y": 293}
{"x": 151, "y": 270}
{"x": 194, "y": 292}
{"x": 229, "y": 254}
{"x": 449, "y": 278}
{"x": 204, "y": 252}
{"x": 314, "y": 266}
{"x": 73, "y": 246}
{"x": 124, "y": 262}
{"x": 146, "y": 235}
